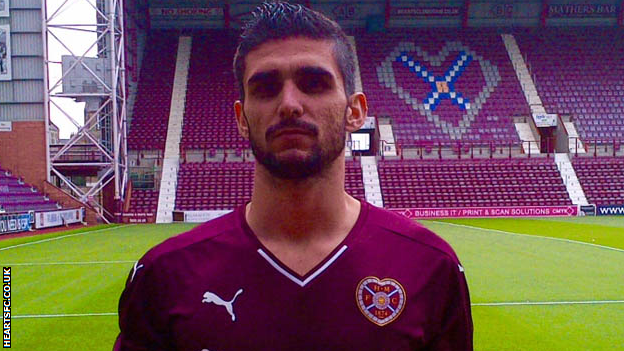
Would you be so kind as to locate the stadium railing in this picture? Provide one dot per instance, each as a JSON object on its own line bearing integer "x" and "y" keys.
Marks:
{"x": 598, "y": 147}
{"x": 464, "y": 150}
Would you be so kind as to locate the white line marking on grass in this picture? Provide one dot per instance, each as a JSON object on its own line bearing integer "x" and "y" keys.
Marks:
{"x": 530, "y": 235}
{"x": 487, "y": 304}
{"x": 66, "y": 315}
{"x": 538, "y": 303}
{"x": 65, "y": 263}
{"x": 63, "y": 236}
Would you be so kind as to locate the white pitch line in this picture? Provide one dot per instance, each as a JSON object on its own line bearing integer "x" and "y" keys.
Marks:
{"x": 530, "y": 235}
{"x": 66, "y": 315}
{"x": 542, "y": 303}
{"x": 487, "y": 304}
{"x": 65, "y": 263}
{"x": 63, "y": 236}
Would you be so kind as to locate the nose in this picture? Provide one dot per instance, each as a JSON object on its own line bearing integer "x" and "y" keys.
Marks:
{"x": 290, "y": 104}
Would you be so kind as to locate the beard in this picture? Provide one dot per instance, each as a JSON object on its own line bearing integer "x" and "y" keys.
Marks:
{"x": 318, "y": 159}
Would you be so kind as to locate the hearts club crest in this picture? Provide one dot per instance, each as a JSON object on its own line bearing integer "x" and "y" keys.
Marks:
{"x": 381, "y": 301}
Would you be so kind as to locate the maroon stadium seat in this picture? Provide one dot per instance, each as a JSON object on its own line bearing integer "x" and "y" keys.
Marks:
{"x": 471, "y": 183}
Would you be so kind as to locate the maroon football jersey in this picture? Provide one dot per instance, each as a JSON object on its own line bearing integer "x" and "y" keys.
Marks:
{"x": 390, "y": 285}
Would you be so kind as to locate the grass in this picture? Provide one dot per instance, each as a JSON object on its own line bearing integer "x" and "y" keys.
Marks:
{"x": 548, "y": 328}
{"x": 39, "y": 237}
{"x": 607, "y": 231}
{"x": 500, "y": 267}
{"x": 503, "y": 267}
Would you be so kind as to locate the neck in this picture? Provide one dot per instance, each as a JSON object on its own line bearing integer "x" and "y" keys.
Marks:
{"x": 300, "y": 211}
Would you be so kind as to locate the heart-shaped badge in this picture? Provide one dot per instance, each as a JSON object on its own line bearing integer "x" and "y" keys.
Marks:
{"x": 380, "y": 300}
{"x": 442, "y": 87}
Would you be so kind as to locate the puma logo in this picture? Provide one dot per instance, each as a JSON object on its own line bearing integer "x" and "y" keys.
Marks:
{"x": 213, "y": 298}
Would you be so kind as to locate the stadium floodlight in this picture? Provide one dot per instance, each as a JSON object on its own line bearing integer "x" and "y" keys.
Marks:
{"x": 92, "y": 73}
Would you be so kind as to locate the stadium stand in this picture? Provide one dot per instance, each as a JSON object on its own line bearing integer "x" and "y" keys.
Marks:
{"x": 143, "y": 201}
{"x": 17, "y": 196}
{"x": 602, "y": 179}
{"x": 225, "y": 185}
{"x": 425, "y": 114}
{"x": 211, "y": 91}
{"x": 213, "y": 185}
{"x": 579, "y": 72}
{"x": 354, "y": 184}
{"x": 471, "y": 183}
{"x": 452, "y": 86}
{"x": 148, "y": 128}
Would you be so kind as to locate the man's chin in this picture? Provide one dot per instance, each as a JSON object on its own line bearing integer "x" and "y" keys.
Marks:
{"x": 293, "y": 164}
{"x": 295, "y": 169}
{"x": 293, "y": 155}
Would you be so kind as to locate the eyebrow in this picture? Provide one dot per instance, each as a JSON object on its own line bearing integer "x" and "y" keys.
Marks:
{"x": 262, "y": 76}
{"x": 303, "y": 71}
{"x": 314, "y": 71}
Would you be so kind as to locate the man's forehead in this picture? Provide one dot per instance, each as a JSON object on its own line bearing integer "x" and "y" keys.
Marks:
{"x": 290, "y": 55}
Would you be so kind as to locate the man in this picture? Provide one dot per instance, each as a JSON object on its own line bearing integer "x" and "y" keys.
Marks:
{"x": 303, "y": 265}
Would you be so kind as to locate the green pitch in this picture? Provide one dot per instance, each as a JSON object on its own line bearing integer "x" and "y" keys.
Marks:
{"x": 536, "y": 284}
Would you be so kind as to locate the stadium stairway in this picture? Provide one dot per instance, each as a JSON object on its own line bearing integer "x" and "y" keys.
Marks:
{"x": 358, "y": 86}
{"x": 530, "y": 93}
{"x": 171, "y": 161}
{"x": 522, "y": 72}
{"x": 388, "y": 145}
{"x": 370, "y": 176}
{"x": 348, "y": 152}
{"x": 358, "y": 77}
{"x": 526, "y": 135}
{"x": 574, "y": 142}
{"x": 573, "y": 186}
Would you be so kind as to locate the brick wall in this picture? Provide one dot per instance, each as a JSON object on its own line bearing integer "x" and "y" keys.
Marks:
{"x": 23, "y": 152}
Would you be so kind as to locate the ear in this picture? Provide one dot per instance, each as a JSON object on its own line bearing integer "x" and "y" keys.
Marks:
{"x": 356, "y": 112}
{"x": 241, "y": 121}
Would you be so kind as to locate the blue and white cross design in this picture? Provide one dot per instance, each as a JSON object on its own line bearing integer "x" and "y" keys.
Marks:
{"x": 441, "y": 87}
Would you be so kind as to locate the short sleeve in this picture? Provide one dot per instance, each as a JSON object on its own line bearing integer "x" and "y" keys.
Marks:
{"x": 142, "y": 312}
{"x": 455, "y": 319}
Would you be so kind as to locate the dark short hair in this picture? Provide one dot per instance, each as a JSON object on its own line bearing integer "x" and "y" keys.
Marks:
{"x": 281, "y": 20}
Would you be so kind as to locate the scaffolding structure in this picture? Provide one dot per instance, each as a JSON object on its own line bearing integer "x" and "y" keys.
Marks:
{"x": 104, "y": 131}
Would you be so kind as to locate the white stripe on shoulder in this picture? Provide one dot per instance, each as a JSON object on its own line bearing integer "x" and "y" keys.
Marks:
{"x": 136, "y": 267}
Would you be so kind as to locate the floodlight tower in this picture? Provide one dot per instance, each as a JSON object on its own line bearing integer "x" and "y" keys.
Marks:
{"x": 99, "y": 147}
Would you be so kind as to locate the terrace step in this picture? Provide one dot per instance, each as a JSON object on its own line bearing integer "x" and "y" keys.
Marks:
{"x": 574, "y": 142}
{"x": 573, "y": 186}
{"x": 168, "y": 183}
{"x": 530, "y": 144}
{"x": 370, "y": 176}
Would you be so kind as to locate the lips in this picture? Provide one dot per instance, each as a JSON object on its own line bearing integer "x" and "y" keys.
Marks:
{"x": 293, "y": 127}
{"x": 291, "y": 132}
